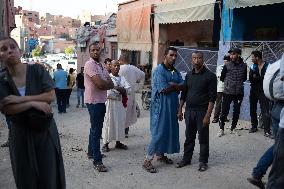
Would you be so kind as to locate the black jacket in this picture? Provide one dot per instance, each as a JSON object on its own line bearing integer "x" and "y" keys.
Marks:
{"x": 234, "y": 75}
{"x": 256, "y": 83}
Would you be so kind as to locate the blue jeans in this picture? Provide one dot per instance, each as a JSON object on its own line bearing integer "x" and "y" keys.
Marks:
{"x": 267, "y": 158}
{"x": 80, "y": 93}
{"x": 97, "y": 114}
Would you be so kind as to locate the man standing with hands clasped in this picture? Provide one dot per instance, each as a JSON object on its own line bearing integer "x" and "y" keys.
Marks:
{"x": 199, "y": 94}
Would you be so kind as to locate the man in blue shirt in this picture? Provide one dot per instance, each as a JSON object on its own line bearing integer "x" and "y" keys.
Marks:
{"x": 60, "y": 79}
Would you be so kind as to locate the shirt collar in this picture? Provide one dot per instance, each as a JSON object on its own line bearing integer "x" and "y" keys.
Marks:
{"x": 169, "y": 69}
{"x": 92, "y": 60}
{"x": 201, "y": 71}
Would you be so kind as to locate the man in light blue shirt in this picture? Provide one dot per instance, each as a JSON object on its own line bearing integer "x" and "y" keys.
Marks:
{"x": 60, "y": 79}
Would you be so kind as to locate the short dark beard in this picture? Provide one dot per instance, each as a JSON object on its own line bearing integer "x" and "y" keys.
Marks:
{"x": 97, "y": 59}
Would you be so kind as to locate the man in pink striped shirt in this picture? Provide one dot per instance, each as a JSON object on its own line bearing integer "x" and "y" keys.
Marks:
{"x": 97, "y": 82}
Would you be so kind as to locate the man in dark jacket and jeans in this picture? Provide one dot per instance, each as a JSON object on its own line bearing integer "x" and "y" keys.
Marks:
{"x": 234, "y": 74}
{"x": 256, "y": 76}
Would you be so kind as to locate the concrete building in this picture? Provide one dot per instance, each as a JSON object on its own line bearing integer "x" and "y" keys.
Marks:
{"x": 76, "y": 23}
{"x": 85, "y": 16}
{"x": 31, "y": 16}
{"x": 7, "y": 17}
{"x": 104, "y": 34}
{"x": 20, "y": 33}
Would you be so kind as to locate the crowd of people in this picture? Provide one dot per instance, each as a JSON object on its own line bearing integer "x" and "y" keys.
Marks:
{"x": 199, "y": 91}
{"x": 108, "y": 89}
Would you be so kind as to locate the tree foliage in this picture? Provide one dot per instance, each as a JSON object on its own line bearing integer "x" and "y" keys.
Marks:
{"x": 37, "y": 52}
{"x": 69, "y": 50}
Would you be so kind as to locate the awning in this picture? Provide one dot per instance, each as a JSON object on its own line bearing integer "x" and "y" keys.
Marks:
{"x": 185, "y": 11}
{"x": 133, "y": 28}
{"x": 251, "y": 3}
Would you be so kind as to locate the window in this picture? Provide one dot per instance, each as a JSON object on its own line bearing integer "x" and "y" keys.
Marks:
{"x": 113, "y": 51}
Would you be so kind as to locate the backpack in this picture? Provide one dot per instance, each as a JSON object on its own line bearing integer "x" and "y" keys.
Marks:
{"x": 272, "y": 84}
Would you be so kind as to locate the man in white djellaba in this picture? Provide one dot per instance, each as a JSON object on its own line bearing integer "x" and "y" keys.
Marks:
{"x": 115, "y": 117}
{"x": 134, "y": 76}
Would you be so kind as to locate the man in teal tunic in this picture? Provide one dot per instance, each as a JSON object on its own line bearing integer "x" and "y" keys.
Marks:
{"x": 166, "y": 86}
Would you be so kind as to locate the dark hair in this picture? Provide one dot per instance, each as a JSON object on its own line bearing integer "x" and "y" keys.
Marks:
{"x": 124, "y": 56}
{"x": 58, "y": 65}
{"x": 107, "y": 60}
{"x": 257, "y": 54}
{"x": 197, "y": 52}
{"x": 170, "y": 49}
{"x": 9, "y": 38}
{"x": 71, "y": 70}
{"x": 227, "y": 57}
{"x": 93, "y": 44}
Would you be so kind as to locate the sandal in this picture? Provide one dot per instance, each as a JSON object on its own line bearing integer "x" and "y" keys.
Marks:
{"x": 147, "y": 165}
{"x": 100, "y": 167}
{"x": 121, "y": 146}
{"x": 203, "y": 167}
{"x": 165, "y": 159}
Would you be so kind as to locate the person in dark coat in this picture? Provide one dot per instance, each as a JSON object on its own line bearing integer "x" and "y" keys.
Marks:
{"x": 256, "y": 76}
{"x": 25, "y": 97}
{"x": 234, "y": 74}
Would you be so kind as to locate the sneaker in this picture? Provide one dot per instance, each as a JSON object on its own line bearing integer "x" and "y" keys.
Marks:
{"x": 215, "y": 120}
{"x": 119, "y": 145}
{"x": 182, "y": 163}
{"x": 5, "y": 144}
{"x": 77, "y": 106}
{"x": 203, "y": 167}
{"x": 228, "y": 127}
{"x": 235, "y": 132}
{"x": 268, "y": 134}
{"x": 253, "y": 130}
{"x": 256, "y": 182}
{"x": 100, "y": 167}
{"x": 221, "y": 133}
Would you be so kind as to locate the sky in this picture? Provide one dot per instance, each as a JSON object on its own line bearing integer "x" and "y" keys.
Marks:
{"x": 69, "y": 7}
